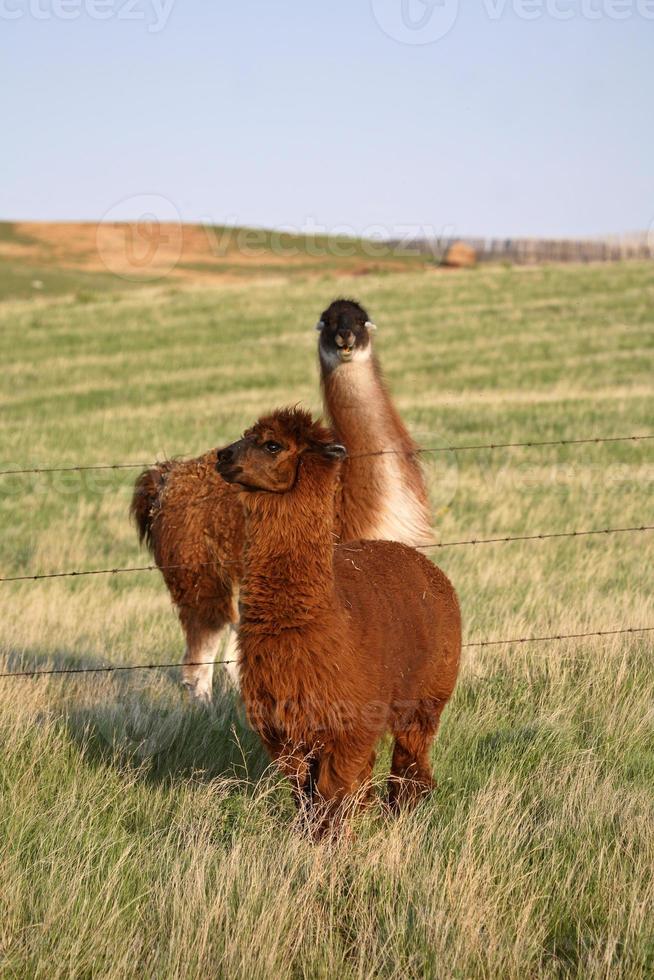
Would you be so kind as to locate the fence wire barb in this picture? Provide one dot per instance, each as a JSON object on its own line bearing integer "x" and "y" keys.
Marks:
{"x": 222, "y": 663}
{"x": 531, "y": 444}
{"x": 536, "y": 537}
{"x": 558, "y": 636}
{"x": 423, "y": 547}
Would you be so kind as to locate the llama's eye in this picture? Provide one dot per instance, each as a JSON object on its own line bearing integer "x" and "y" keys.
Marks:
{"x": 272, "y": 447}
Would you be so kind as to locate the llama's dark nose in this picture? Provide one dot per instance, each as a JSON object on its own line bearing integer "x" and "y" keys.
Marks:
{"x": 225, "y": 455}
{"x": 345, "y": 338}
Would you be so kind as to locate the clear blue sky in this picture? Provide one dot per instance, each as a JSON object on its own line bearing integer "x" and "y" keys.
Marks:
{"x": 281, "y": 113}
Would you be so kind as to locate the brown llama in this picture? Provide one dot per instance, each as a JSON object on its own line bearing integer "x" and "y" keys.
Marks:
{"x": 337, "y": 643}
{"x": 188, "y": 516}
{"x": 192, "y": 522}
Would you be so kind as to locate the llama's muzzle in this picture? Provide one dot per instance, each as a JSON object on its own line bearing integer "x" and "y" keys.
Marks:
{"x": 345, "y": 341}
{"x": 225, "y": 455}
{"x": 226, "y": 465}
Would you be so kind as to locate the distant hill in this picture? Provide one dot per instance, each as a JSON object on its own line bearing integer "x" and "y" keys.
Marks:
{"x": 63, "y": 257}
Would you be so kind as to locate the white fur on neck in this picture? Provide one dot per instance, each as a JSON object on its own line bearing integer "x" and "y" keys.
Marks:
{"x": 401, "y": 517}
{"x": 330, "y": 360}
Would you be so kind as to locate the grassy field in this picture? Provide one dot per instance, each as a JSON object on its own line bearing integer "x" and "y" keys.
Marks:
{"x": 142, "y": 837}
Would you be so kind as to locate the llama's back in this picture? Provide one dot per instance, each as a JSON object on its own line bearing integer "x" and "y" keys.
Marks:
{"x": 404, "y": 613}
{"x": 145, "y": 499}
{"x": 193, "y": 524}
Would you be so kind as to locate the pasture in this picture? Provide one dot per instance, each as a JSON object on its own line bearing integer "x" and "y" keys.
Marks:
{"x": 141, "y": 836}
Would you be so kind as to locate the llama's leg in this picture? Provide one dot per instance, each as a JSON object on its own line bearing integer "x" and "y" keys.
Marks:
{"x": 230, "y": 654}
{"x": 343, "y": 771}
{"x": 298, "y": 766}
{"x": 411, "y": 775}
{"x": 302, "y": 772}
{"x": 366, "y": 778}
{"x": 202, "y": 648}
{"x": 203, "y": 623}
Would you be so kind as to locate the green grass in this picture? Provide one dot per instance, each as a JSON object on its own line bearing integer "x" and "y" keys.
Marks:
{"x": 19, "y": 280}
{"x": 143, "y": 837}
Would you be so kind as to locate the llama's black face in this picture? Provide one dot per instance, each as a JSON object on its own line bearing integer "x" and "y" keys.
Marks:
{"x": 345, "y": 330}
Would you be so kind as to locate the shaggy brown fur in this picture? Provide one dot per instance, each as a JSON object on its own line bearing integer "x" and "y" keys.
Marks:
{"x": 337, "y": 644}
{"x": 186, "y": 515}
{"x": 193, "y": 524}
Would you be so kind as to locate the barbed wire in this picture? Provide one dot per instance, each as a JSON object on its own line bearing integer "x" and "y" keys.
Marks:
{"x": 531, "y": 444}
{"x": 537, "y": 537}
{"x": 559, "y": 636}
{"x": 54, "y": 671}
{"x": 80, "y": 573}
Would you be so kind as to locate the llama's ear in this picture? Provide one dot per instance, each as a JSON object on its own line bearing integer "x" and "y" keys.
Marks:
{"x": 333, "y": 450}
{"x": 320, "y": 324}
{"x": 370, "y": 325}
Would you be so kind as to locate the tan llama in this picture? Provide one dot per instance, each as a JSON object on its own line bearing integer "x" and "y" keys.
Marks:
{"x": 382, "y": 485}
{"x": 337, "y": 644}
{"x": 193, "y": 524}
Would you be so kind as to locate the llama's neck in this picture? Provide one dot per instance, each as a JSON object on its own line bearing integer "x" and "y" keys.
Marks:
{"x": 360, "y": 407}
{"x": 289, "y": 554}
{"x": 383, "y": 496}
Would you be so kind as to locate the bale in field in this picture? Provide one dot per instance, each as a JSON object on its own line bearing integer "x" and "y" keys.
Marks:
{"x": 337, "y": 644}
{"x": 460, "y": 256}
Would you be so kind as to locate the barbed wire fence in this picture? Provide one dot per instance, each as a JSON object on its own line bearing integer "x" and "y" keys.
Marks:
{"x": 466, "y": 447}
{"x": 515, "y": 641}
{"x": 506, "y": 539}
{"x": 469, "y": 542}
